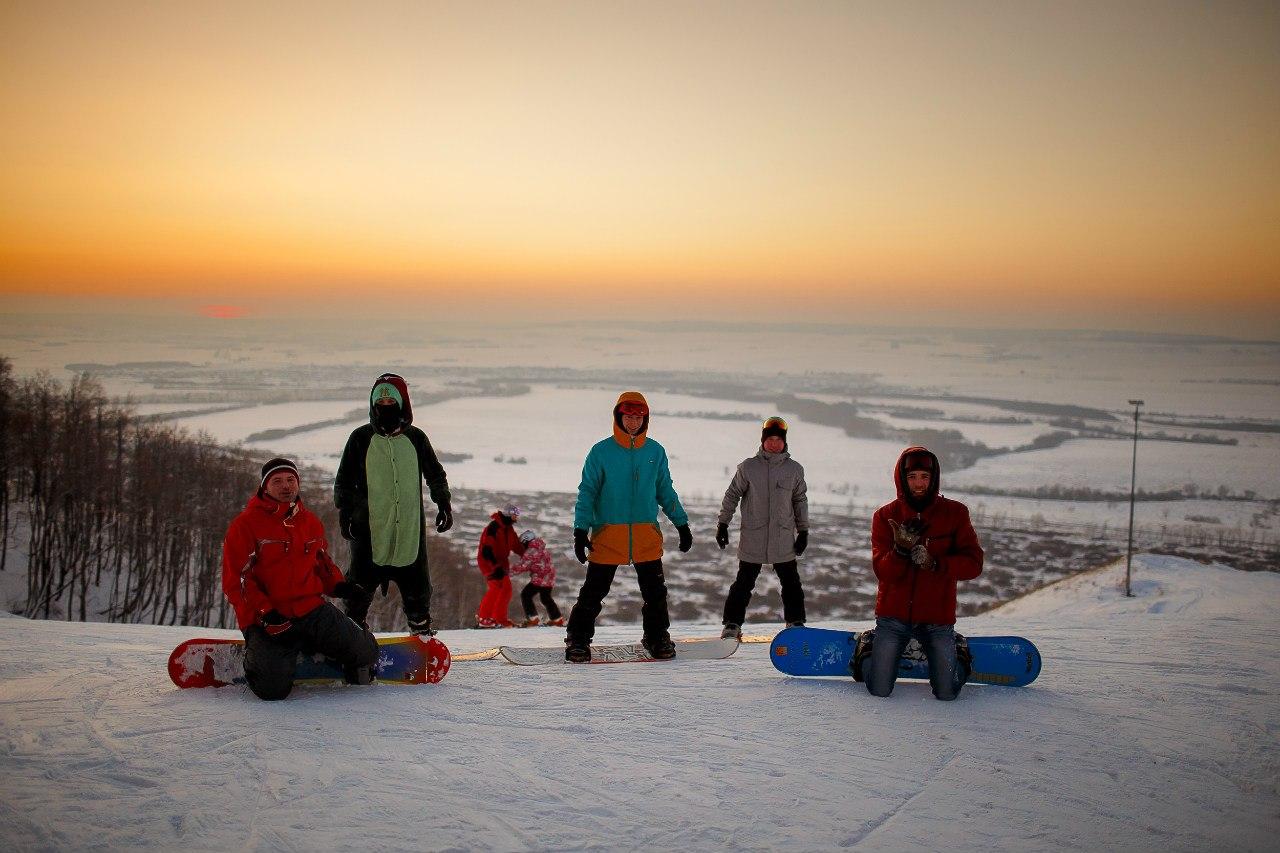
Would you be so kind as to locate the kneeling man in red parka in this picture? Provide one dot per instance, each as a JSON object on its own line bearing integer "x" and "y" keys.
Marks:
{"x": 921, "y": 544}
{"x": 275, "y": 571}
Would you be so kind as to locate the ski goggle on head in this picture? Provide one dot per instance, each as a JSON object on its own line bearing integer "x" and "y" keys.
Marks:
{"x": 776, "y": 423}
{"x": 630, "y": 407}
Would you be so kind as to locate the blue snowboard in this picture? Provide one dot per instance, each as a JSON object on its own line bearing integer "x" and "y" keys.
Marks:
{"x": 1007, "y": 661}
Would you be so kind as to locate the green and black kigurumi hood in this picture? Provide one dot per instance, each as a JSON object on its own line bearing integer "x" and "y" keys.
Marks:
{"x": 388, "y": 419}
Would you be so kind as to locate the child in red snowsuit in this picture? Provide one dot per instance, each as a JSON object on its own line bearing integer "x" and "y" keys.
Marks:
{"x": 542, "y": 577}
{"x": 497, "y": 543}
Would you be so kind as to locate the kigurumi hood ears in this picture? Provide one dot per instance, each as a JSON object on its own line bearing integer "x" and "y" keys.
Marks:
{"x": 399, "y": 388}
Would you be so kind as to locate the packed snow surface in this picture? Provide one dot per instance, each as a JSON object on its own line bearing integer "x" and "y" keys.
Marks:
{"x": 1153, "y": 726}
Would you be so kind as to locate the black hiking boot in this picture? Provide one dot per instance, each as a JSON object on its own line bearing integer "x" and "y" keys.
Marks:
{"x": 660, "y": 647}
{"x": 860, "y": 653}
{"x": 359, "y": 674}
{"x": 964, "y": 658}
{"x": 421, "y": 627}
{"x": 577, "y": 651}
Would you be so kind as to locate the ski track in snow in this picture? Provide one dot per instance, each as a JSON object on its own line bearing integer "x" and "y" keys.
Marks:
{"x": 1155, "y": 725}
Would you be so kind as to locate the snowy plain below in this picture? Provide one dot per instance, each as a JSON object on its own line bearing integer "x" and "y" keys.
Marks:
{"x": 1155, "y": 725}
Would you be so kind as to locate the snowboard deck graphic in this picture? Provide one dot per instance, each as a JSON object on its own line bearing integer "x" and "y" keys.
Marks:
{"x": 220, "y": 662}
{"x": 805, "y": 651}
{"x": 702, "y": 649}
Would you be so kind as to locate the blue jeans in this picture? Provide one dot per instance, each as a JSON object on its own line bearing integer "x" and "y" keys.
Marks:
{"x": 939, "y": 644}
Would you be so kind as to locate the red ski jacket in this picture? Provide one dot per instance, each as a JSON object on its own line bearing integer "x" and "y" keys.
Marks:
{"x": 497, "y": 543}
{"x": 276, "y": 557}
{"x": 906, "y": 591}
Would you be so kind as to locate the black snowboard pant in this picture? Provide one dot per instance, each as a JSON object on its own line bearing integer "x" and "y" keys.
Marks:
{"x": 413, "y": 581}
{"x": 735, "y": 605}
{"x": 653, "y": 593}
{"x": 544, "y": 593}
{"x": 270, "y": 660}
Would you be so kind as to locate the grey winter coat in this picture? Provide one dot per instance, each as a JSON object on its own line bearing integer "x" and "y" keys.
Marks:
{"x": 775, "y": 507}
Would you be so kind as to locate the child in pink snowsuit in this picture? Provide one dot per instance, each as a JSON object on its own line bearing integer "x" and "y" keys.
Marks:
{"x": 542, "y": 577}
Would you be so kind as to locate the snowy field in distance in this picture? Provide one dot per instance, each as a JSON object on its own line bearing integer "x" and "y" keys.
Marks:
{"x": 1152, "y": 727}
{"x": 237, "y": 425}
{"x": 1107, "y": 465}
{"x": 553, "y": 428}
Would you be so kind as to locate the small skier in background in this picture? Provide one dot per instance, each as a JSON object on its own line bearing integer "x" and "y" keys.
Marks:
{"x": 542, "y": 577}
{"x": 493, "y": 557}
{"x": 774, "y": 527}
{"x": 921, "y": 544}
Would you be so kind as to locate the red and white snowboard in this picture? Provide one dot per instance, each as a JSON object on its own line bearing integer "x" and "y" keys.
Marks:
{"x": 219, "y": 662}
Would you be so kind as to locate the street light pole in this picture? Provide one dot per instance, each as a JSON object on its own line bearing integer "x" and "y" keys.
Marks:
{"x": 1133, "y": 482}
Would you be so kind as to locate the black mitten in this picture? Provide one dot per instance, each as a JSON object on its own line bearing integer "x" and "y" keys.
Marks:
{"x": 581, "y": 544}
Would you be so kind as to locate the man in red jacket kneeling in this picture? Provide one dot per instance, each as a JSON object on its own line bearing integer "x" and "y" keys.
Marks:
{"x": 921, "y": 544}
{"x": 275, "y": 571}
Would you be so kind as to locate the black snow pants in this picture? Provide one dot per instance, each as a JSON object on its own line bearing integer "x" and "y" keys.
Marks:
{"x": 270, "y": 660}
{"x": 735, "y": 605}
{"x": 544, "y": 593}
{"x": 653, "y": 593}
{"x": 413, "y": 581}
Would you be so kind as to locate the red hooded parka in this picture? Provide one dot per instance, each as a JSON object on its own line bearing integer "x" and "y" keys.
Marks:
{"x": 910, "y": 593}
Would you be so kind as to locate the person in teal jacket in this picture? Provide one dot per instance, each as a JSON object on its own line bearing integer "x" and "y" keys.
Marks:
{"x": 625, "y": 480}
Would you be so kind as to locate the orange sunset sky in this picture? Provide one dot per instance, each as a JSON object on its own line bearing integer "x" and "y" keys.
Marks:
{"x": 1109, "y": 164}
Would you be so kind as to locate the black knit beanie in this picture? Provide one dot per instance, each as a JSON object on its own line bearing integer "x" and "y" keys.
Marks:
{"x": 277, "y": 464}
{"x": 774, "y": 426}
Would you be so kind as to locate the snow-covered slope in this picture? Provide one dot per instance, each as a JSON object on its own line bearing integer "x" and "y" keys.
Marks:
{"x": 1153, "y": 726}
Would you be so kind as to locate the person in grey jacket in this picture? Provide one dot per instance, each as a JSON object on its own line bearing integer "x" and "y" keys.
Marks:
{"x": 775, "y": 526}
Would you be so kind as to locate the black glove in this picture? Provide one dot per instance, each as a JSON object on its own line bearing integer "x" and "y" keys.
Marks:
{"x": 802, "y": 542}
{"x": 498, "y": 574}
{"x": 274, "y": 622}
{"x": 581, "y": 544}
{"x": 344, "y": 524}
{"x": 686, "y": 538}
{"x": 348, "y": 590}
{"x": 444, "y": 518}
{"x": 722, "y": 535}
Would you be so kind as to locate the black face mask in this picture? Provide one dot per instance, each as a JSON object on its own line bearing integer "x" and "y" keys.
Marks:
{"x": 387, "y": 417}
